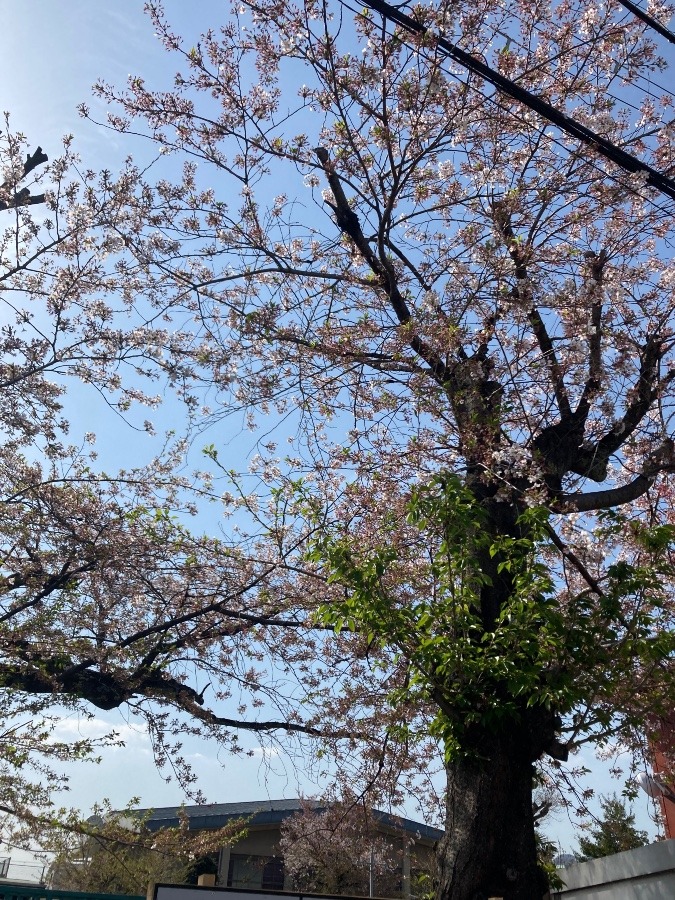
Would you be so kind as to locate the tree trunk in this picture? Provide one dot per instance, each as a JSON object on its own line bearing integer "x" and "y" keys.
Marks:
{"x": 489, "y": 845}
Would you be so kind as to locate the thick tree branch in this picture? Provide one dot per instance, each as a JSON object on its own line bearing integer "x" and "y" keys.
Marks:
{"x": 107, "y": 690}
{"x": 209, "y": 717}
{"x": 47, "y": 585}
{"x": 33, "y": 160}
{"x": 662, "y": 460}
{"x": 563, "y": 446}
{"x": 607, "y": 499}
{"x": 596, "y": 264}
{"x": 348, "y": 222}
{"x": 475, "y": 397}
{"x": 646, "y": 390}
{"x": 24, "y": 197}
{"x": 502, "y": 221}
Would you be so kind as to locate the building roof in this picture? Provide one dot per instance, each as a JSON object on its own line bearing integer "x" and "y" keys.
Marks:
{"x": 268, "y": 812}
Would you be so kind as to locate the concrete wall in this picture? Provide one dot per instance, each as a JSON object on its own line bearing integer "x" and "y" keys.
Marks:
{"x": 647, "y": 873}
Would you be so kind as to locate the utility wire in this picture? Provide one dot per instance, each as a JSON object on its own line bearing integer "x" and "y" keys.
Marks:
{"x": 649, "y": 20}
{"x": 596, "y": 141}
{"x": 648, "y": 80}
{"x": 667, "y": 211}
{"x": 608, "y": 93}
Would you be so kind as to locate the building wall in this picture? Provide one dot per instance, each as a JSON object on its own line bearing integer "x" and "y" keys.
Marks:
{"x": 662, "y": 767}
{"x": 260, "y": 847}
{"x": 647, "y": 873}
{"x": 259, "y": 844}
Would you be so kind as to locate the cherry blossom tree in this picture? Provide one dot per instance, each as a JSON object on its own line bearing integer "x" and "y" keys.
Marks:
{"x": 467, "y": 314}
{"x": 107, "y": 600}
{"x": 339, "y": 849}
{"x": 461, "y": 318}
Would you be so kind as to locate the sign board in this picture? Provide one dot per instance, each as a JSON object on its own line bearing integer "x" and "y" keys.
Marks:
{"x": 190, "y": 892}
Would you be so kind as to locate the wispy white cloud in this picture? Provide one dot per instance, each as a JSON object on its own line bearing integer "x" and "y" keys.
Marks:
{"x": 264, "y": 752}
{"x": 74, "y": 728}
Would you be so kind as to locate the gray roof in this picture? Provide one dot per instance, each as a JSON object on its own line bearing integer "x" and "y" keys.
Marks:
{"x": 267, "y": 812}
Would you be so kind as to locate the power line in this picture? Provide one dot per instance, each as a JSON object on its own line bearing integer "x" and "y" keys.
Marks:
{"x": 665, "y": 210}
{"x": 640, "y": 77}
{"x": 647, "y": 91}
{"x": 621, "y": 100}
{"x": 600, "y": 144}
{"x": 649, "y": 20}
{"x": 537, "y": 27}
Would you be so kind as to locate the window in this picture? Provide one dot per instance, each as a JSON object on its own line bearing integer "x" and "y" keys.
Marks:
{"x": 265, "y": 872}
{"x": 273, "y": 874}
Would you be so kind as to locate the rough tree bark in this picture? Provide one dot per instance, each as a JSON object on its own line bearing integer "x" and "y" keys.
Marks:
{"x": 489, "y": 844}
{"x": 489, "y": 847}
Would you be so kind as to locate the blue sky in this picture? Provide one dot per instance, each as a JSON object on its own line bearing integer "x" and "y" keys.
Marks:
{"x": 50, "y": 54}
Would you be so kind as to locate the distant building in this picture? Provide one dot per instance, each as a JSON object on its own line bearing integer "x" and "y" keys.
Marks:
{"x": 22, "y": 870}
{"x": 662, "y": 750}
{"x": 255, "y": 862}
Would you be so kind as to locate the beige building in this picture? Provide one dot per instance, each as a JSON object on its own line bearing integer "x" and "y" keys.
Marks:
{"x": 256, "y": 863}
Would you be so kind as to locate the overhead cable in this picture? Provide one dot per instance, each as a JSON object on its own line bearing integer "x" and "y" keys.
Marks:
{"x": 649, "y": 20}
{"x": 566, "y": 123}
